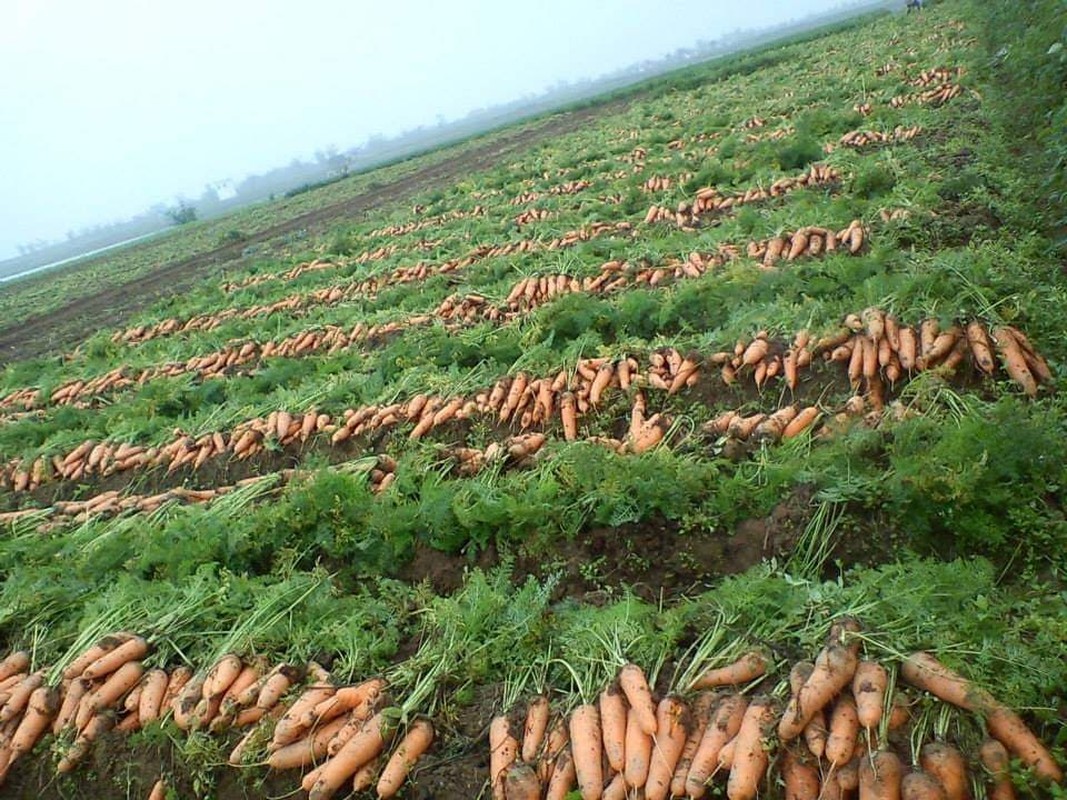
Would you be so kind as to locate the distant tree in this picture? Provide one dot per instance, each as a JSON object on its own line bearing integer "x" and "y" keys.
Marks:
{"x": 182, "y": 213}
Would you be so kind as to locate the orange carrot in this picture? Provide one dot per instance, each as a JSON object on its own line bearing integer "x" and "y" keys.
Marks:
{"x": 868, "y": 688}
{"x": 600, "y": 383}
{"x": 159, "y": 790}
{"x": 945, "y": 764}
{"x": 748, "y": 667}
{"x": 274, "y": 687}
{"x": 880, "y": 776}
{"x": 16, "y": 662}
{"x": 638, "y": 753}
{"x": 533, "y": 733}
{"x": 616, "y": 788}
{"x": 981, "y": 347}
{"x": 920, "y": 786}
{"x": 844, "y": 728}
{"x": 613, "y": 726}
{"x": 848, "y": 775}
{"x": 558, "y": 739}
{"x": 587, "y": 751}
{"x": 801, "y": 779}
{"x": 416, "y": 741}
{"x": 634, "y": 685}
{"x": 703, "y": 705}
{"x": 804, "y": 419}
{"x": 99, "y": 724}
{"x": 301, "y": 715}
{"x": 1015, "y": 360}
{"x": 907, "y": 352}
{"x": 20, "y": 696}
{"x": 367, "y": 775}
{"x": 563, "y": 777}
{"x": 42, "y": 706}
{"x": 221, "y": 676}
{"x": 72, "y": 698}
{"x": 345, "y": 699}
{"x": 521, "y": 783}
{"x": 130, "y": 650}
{"x": 78, "y": 665}
{"x": 307, "y": 750}
{"x": 154, "y": 688}
{"x": 834, "y": 668}
{"x": 360, "y": 749}
{"x": 569, "y": 414}
{"x": 503, "y": 749}
{"x": 179, "y": 676}
{"x": 723, "y": 727}
{"x": 1005, "y": 725}
{"x": 750, "y": 754}
{"x": 997, "y": 763}
{"x": 672, "y": 728}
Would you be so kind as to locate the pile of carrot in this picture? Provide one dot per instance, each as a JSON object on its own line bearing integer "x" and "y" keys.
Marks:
{"x": 858, "y": 139}
{"x": 939, "y": 75}
{"x": 570, "y": 187}
{"x": 658, "y": 183}
{"x": 753, "y": 122}
{"x": 518, "y": 450}
{"x": 937, "y": 96}
{"x": 770, "y": 136}
{"x": 532, "y": 215}
{"x": 337, "y": 734}
{"x": 710, "y": 201}
{"x": 863, "y": 109}
{"x": 827, "y": 740}
{"x": 432, "y": 222}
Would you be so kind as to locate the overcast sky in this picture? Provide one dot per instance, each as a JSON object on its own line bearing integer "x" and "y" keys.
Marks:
{"x": 110, "y": 106}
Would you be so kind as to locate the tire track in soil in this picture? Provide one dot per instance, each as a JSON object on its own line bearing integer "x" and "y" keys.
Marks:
{"x": 71, "y": 324}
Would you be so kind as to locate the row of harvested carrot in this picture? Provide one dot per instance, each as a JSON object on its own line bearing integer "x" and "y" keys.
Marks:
{"x": 873, "y": 345}
{"x": 931, "y": 97}
{"x": 661, "y": 183}
{"x": 532, "y": 215}
{"x": 526, "y": 295}
{"x": 315, "y": 265}
{"x": 341, "y": 729}
{"x": 367, "y": 287}
{"x": 830, "y": 739}
{"x": 857, "y": 139}
{"x": 570, "y": 187}
{"x": 709, "y": 201}
{"x": 770, "y": 136}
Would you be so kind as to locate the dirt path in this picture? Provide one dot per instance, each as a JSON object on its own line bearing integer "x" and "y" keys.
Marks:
{"x": 71, "y": 324}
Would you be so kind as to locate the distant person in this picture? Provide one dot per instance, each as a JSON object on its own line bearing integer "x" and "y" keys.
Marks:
{"x": 914, "y": 5}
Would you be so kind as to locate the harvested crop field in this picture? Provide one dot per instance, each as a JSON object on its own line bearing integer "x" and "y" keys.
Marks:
{"x": 702, "y": 443}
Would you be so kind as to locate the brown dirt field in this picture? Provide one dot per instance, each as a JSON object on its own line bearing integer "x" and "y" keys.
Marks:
{"x": 111, "y": 307}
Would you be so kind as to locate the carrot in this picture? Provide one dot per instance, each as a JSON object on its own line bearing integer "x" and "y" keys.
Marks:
{"x": 503, "y": 749}
{"x": 99, "y": 724}
{"x": 159, "y": 790}
{"x": 1015, "y": 360}
{"x": 72, "y": 698}
{"x": 301, "y": 715}
{"x": 848, "y": 775}
{"x": 1034, "y": 361}
{"x": 366, "y": 776}
{"x": 726, "y": 756}
{"x": 997, "y": 763}
{"x": 750, "y": 753}
{"x": 815, "y": 731}
{"x": 981, "y": 347}
{"x": 702, "y": 707}
{"x": 563, "y": 777}
{"x": 868, "y": 688}
{"x": 1005, "y": 725}
{"x": 20, "y": 696}
{"x": 587, "y": 750}
{"x": 907, "y": 352}
{"x": 345, "y": 699}
{"x": 600, "y": 383}
{"x": 274, "y": 687}
{"x": 533, "y": 733}
{"x": 307, "y": 750}
{"x": 834, "y": 668}
{"x": 616, "y": 788}
{"x": 920, "y": 786}
{"x": 42, "y": 706}
{"x": 638, "y": 753}
{"x": 844, "y": 729}
{"x": 880, "y": 776}
{"x": 747, "y": 668}
{"x": 673, "y": 719}
{"x": 687, "y": 370}
{"x": 755, "y": 353}
{"x": 521, "y": 783}
{"x": 569, "y": 414}
{"x": 416, "y": 741}
{"x": 187, "y": 700}
{"x": 16, "y": 662}
{"x": 154, "y": 688}
{"x": 947, "y": 766}
{"x": 634, "y": 685}
{"x": 360, "y": 749}
{"x": 221, "y": 676}
{"x": 237, "y": 755}
{"x": 558, "y": 739}
{"x": 723, "y": 727}
{"x": 801, "y": 779}
{"x": 130, "y": 650}
{"x": 612, "y": 726}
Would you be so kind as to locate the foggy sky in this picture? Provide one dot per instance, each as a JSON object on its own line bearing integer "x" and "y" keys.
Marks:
{"x": 110, "y": 106}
